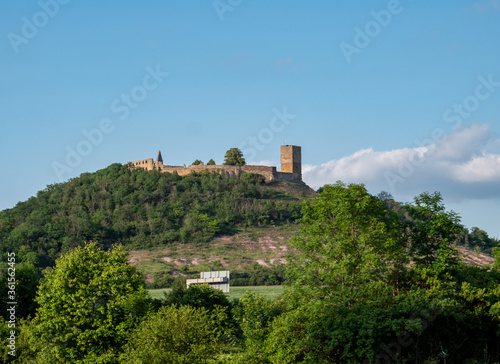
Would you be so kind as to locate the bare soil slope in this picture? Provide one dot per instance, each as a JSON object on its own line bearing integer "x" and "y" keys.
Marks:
{"x": 264, "y": 246}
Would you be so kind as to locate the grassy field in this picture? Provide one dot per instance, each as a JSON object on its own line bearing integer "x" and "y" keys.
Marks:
{"x": 235, "y": 292}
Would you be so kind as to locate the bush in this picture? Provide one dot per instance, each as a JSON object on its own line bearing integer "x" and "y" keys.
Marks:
{"x": 199, "y": 296}
{"x": 260, "y": 276}
{"x": 253, "y": 177}
{"x": 89, "y": 303}
{"x": 177, "y": 335}
{"x": 411, "y": 327}
{"x": 254, "y": 314}
{"x": 27, "y": 281}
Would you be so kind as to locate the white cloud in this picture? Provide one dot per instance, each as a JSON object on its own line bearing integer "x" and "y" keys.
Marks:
{"x": 482, "y": 168}
{"x": 459, "y": 164}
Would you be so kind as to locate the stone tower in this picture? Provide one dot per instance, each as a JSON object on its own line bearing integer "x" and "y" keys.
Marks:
{"x": 159, "y": 161}
{"x": 291, "y": 159}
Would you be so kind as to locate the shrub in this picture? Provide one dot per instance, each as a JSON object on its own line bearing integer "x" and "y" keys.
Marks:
{"x": 177, "y": 335}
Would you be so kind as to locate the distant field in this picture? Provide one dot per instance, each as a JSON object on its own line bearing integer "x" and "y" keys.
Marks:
{"x": 264, "y": 291}
{"x": 235, "y": 292}
{"x": 157, "y": 293}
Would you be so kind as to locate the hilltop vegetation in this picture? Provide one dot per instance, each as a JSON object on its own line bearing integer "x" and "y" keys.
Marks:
{"x": 141, "y": 209}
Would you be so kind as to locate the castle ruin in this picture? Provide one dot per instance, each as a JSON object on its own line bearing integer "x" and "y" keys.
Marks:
{"x": 291, "y": 167}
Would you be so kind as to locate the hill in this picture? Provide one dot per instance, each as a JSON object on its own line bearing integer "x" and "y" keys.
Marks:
{"x": 144, "y": 209}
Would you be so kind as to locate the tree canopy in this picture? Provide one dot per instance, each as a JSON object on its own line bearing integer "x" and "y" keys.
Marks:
{"x": 433, "y": 231}
{"x": 348, "y": 240}
{"x": 176, "y": 335}
{"x": 89, "y": 303}
{"x": 234, "y": 157}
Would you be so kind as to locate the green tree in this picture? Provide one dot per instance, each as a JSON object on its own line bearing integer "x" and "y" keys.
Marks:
{"x": 197, "y": 162}
{"x": 496, "y": 254}
{"x": 355, "y": 298}
{"x": 176, "y": 293}
{"x": 177, "y": 335}
{"x": 480, "y": 239}
{"x": 211, "y": 162}
{"x": 254, "y": 315}
{"x": 202, "y": 295}
{"x": 348, "y": 243}
{"x": 433, "y": 232}
{"x": 26, "y": 282}
{"x": 234, "y": 157}
{"x": 89, "y": 303}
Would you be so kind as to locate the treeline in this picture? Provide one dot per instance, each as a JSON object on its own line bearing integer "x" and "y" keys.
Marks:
{"x": 138, "y": 209}
{"x": 479, "y": 240}
{"x": 474, "y": 238}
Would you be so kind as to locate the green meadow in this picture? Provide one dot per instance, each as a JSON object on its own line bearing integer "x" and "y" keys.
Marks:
{"x": 235, "y": 292}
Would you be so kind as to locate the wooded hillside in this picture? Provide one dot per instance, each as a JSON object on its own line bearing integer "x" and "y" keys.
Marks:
{"x": 140, "y": 209}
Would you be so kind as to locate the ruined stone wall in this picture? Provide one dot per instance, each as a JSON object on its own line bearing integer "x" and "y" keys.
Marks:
{"x": 291, "y": 168}
{"x": 229, "y": 171}
{"x": 268, "y": 172}
{"x": 288, "y": 177}
{"x": 146, "y": 164}
{"x": 271, "y": 175}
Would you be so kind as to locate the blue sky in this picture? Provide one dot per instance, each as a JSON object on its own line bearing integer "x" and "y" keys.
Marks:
{"x": 400, "y": 95}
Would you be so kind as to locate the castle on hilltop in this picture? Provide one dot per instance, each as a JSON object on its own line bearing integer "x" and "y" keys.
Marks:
{"x": 291, "y": 167}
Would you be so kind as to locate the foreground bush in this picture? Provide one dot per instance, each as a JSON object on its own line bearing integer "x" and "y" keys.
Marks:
{"x": 89, "y": 303}
{"x": 177, "y": 335}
